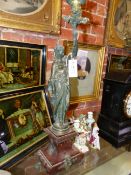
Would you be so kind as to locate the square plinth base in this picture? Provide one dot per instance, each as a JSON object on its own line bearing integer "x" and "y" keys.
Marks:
{"x": 62, "y": 156}
{"x": 60, "y": 160}
{"x": 60, "y": 138}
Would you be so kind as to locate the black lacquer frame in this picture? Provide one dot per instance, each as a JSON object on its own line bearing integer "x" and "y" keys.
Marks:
{"x": 21, "y": 128}
{"x": 22, "y": 87}
{"x": 28, "y": 70}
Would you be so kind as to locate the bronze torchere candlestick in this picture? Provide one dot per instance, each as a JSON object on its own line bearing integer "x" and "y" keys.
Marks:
{"x": 58, "y": 85}
{"x": 60, "y": 153}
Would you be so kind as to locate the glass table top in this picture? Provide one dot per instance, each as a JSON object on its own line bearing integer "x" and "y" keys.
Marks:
{"x": 92, "y": 159}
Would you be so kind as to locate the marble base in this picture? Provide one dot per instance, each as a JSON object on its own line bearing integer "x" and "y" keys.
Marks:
{"x": 31, "y": 165}
{"x": 59, "y": 153}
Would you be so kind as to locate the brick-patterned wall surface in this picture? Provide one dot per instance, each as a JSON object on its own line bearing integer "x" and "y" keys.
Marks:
{"x": 92, "y": 33}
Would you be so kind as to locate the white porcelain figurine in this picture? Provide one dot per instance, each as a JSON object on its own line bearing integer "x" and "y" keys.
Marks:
{"x": 94, "y": 139}
{"x": 90, "y": 120}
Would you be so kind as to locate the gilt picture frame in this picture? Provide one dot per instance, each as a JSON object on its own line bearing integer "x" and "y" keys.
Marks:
{"x": 90, "y": 59}
{"x": 37, "y": 16}
{"x": 116, "y": 23}
{"x": 21, "y": 127}
{"x": 22, "y": 65}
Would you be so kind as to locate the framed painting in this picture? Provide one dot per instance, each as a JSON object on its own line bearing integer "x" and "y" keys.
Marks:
{"x": 22, "y": 120}
{"x": 32, "y": 15}
{"x": 90, "y": 60}
{"x": 119, "y": 23}
{"x": 22, "y": 65}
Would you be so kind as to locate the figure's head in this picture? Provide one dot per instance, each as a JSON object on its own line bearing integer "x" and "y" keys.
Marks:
{"x": 1, "y": 66}
{"x": 59, "y": 52}
{"x": 17, "y": 103}
{"x": 1, "y": 112}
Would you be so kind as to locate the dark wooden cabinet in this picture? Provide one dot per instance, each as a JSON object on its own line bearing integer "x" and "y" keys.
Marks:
{"x": 114, "y": 125}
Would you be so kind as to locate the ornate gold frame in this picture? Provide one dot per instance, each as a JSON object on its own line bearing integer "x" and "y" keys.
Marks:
{"x": 91, "y": 50}
{"x": 47, "y": 19}
{"x": 111, "y": 36}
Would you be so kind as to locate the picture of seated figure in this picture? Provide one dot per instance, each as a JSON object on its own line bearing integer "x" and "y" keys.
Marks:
{"x": 84, "y": 68}
{"x": 5, "y": 76}
{"x": 37, "y": 116}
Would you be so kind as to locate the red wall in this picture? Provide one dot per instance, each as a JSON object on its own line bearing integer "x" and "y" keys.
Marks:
{"x": 93, "y": 33}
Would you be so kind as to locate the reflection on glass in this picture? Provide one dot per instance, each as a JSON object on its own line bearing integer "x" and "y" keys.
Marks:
{"x": 21, "y": 6}
{"x": 19, "y": 68}
{"x": 122, "y": 19}
{"x": 120, "y": 63}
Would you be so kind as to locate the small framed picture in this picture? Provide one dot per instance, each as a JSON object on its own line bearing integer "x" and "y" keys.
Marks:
{"x": 90, "y": 60}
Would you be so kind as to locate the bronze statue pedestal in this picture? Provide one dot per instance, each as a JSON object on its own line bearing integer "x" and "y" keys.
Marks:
{"x": 59, "y": 153}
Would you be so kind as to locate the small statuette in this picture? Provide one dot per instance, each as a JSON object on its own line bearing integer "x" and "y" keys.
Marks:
{"x": 94, "y": 138}
{"x": 3, "y": 146}
{"x": 87, "y": 133}
{"x": 80, "y": 143}
{"x": 81, "y": 128}
{"x": 90, "y": 120}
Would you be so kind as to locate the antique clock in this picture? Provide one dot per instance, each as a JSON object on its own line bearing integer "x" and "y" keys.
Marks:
{"x": 115, "y": 116}
{"x": 127, "y": 105}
